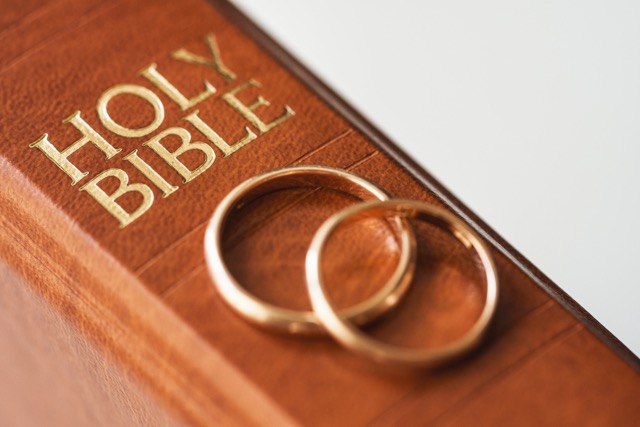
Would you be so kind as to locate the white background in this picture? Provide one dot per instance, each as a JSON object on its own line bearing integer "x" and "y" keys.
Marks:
{"x": 529, "y": 111}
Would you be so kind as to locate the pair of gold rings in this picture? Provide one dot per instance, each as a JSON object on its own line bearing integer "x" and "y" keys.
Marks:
{"x": 325, "y": 317}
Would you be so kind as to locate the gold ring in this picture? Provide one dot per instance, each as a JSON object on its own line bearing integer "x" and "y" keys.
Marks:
{"x": 277, "y": 318}
{"x": 353, "y": 338}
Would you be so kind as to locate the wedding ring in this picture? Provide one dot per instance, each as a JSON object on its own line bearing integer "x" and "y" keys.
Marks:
{"x": 353, "y": 338}
{"x": 273, "y": 317}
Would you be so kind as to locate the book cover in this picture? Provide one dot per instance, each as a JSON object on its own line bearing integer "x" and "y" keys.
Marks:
{"x": 124, "y": 125}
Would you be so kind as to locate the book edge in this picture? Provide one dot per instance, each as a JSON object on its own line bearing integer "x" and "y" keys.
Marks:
{"x": 220, "y": 381}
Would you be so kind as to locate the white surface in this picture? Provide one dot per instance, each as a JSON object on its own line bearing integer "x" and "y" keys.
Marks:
{"x": 527, "y": 111}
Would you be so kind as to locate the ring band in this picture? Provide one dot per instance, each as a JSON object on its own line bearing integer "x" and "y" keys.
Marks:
{"x": 295, "y": 321}
{"x": 354, "y": 339}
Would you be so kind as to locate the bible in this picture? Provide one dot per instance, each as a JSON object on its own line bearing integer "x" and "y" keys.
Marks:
{"x": 124, "y": 125}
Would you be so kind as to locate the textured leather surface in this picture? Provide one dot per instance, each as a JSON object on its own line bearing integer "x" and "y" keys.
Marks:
{"x": 541, "y": 365}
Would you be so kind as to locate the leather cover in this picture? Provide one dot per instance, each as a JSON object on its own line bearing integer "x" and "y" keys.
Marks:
{"x": 110, "y": 325}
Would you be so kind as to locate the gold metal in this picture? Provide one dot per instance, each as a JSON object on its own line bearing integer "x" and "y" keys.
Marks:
{"x": 354, "y": 339}
{"x": 293, "y": 321}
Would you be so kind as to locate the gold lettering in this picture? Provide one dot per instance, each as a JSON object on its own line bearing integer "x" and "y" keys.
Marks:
{"x": 143, "y": 93}
{"x": 150, "y": 173}
{"x": 109, "y": 201}
{"x": 215, "y": 62}
{"x": 216, "y": 139}
{"x": 172, "y": 158}
{"x": 247, "y": 110}
{"x": 151, "y": 73}
{"x": 60, "y": 158}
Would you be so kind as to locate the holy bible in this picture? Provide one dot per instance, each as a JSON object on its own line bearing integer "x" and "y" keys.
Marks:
{"x": 123, "y": 125}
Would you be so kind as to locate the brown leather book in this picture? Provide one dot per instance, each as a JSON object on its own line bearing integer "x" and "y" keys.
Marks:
{"x": 123, "y": 126}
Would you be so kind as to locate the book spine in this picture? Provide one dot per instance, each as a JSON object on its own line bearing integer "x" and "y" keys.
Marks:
{"x": 169, "y": 106}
